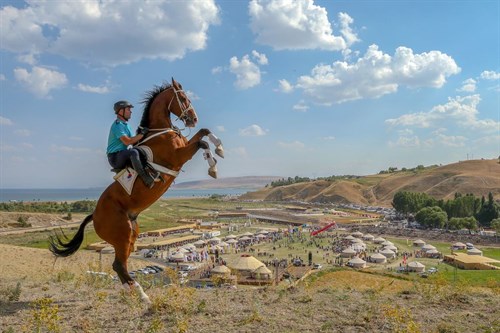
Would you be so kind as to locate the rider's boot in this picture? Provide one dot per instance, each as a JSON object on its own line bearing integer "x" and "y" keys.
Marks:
{"x": 136, "y": 163}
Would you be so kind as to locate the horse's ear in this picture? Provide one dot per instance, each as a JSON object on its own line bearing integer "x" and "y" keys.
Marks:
{"x": 173, "y": 81}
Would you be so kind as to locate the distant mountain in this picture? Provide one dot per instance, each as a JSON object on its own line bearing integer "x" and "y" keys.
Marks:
{"x": 478, "y": 177}
{"x": 250, "y": 182}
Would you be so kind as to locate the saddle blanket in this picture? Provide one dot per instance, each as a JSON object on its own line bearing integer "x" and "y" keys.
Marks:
{"x": 126, "y": 178}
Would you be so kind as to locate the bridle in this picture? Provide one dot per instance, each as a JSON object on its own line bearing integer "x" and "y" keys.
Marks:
{"x": 184, "y": 111}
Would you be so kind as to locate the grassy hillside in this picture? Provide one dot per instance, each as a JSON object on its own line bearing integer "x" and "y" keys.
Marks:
{"x": 477, "y": 176}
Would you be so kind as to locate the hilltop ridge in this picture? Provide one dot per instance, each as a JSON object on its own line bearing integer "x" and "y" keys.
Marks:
{"x": 478, "y": 177}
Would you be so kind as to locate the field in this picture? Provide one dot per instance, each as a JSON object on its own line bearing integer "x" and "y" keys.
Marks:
{"x": 38, "y": 294}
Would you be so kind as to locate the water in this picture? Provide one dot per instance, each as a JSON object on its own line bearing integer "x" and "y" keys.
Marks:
{"x": 25, "y": 195}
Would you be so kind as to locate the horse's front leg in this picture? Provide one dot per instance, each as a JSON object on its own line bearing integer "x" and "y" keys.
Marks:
{"x": 219, "y": 150}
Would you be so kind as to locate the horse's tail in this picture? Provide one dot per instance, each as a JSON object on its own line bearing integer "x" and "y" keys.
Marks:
{"x": 64, "y": 248}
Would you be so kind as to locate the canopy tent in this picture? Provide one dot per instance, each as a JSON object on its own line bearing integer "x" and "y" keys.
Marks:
{"x": 177, "y": 257}
{"x": 415, "y": 266}
{"x": 379, "y": 240}
{"x": 348, "y": 237}
{"x": 231, "y": 241}
{"x": 459, "y": 245}
{"x": 387, "y": 243}
{"x": 215, "y": 240}
{"x": 378, "y": 258}
{"x": 357, "y": 263}
{"x": 248, "y": 234}
{"x": 230, "y": 237}
{"x": 432, "y": 252}
{"x": 245, "y": 238}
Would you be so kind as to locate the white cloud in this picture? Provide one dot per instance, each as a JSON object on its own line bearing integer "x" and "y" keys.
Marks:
{"x": 217, "y": 70}
{"x": 490, "y": 75}
{"x": 23, "y": 132}
{"x": 285, "y": 86}
{"x": 92, "y": 89}
{"x": 298, "y": 24}
{"x": 459, "y": 110}
{"x": 134, "y": 30}
{"x": 220, "y": 128}
{"x": 40, "y": 81}
{"x": 450, "y": 140}
{"x": 5, "y": 121}
{"x": 301, "y": 107}
{"x": 70, "y": 150}
{"x": 2, "y": 77}
{"x": 406, "y": 140}
{"x": 247, "y": 73}
{"x": 345, "y": 29}
{"x": 260, "y": 57}
{"x": 468, "y": 85}
{"x": 294, "y": 145}
{"x": 192, "y": 96}
{"x": 252, "y": 130}
{"x": 376, "y": 74}
{"x": 29, "y": 58}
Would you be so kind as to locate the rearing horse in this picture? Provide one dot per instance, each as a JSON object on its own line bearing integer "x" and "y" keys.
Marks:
{"x": 116, "y": 212}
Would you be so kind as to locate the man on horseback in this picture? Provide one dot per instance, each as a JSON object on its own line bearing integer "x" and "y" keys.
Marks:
{"x": 120, "y": 137}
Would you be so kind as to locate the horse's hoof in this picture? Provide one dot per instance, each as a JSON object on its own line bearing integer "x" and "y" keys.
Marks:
{"x": 212, "y": 172}
{"x": 219, "y": 151}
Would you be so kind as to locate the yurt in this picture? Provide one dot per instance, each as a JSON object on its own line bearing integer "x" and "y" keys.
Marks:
{"x": 428, "y": 247}
{"x": 108, "y": 250}
{"x": 357, "y": 234}
{"x": 245, "y": 264}
{"x": 387, "y": 243}
{"x": 378, "y": 258}
{"x": 230, "y": 237}
{"x": 356, "y": 240}
{"x": 358, "y": 246}
{"x": 357, "y": 263}
{"x": 214, "y": 240}
{"x": 388, "y": 253}
{"x": 368, "y": 237}
{"x": 458, "y": 246}
{"x": 432, "y": 253}
{"x": 221, "y": 270}
{"x": 348, "y": 253}
{"x": 379, "y": 240}
{"x": 231, "y": 241}
{"x": 177, "y": 257}
{"x": 474, "y": 252}
{"x": 391, "y": 247}
{"x": 199, "y": 243}
{"x": 349, "y": 237}
{"x": 262, "y": 273}
{"x": 247, "y": 234}
{"x": 415, "y": 266}
{"x": 418, "y": 243}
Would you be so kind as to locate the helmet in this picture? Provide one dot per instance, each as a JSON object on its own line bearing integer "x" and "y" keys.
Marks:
{"x": 121, "y": 105}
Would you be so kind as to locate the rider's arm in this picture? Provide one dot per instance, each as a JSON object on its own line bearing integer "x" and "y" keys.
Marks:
{"x": 131, "y": 140}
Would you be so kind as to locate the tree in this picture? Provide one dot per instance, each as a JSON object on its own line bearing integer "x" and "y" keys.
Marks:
{"x": 488, "y": 212}
{"x": 432, "y": 217}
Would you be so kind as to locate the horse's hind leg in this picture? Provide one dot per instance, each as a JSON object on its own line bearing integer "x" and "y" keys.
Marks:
{"x": 121, "y": 268}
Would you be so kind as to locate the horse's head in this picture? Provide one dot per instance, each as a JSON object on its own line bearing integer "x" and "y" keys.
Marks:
{"x": 181, "y": 106}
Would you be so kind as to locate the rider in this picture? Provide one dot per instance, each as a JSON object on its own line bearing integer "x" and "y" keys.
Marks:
{"x": 120, "y": 137}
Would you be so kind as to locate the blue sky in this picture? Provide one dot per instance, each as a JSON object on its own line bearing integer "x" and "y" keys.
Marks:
{"x": 308, "y": 88}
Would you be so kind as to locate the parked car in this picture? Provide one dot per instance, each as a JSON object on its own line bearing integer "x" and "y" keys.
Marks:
{"x": 317, "y": 266}
{"x": 432, "y": 270}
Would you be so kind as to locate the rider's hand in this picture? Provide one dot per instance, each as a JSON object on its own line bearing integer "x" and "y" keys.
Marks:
{"x": 142, "y": 130}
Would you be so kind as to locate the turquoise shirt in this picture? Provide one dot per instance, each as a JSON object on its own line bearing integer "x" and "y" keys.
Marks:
{"x": 118, "y": 129}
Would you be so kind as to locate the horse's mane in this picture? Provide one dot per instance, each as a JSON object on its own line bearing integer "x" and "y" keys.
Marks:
{"x": 148, "y": 99}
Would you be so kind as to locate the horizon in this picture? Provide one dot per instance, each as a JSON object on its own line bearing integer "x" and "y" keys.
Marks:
{"x": 309, "y": 88}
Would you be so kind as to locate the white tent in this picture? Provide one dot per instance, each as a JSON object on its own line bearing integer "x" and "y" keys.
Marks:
{"x": 378, "y": 258}
{"x": 418, "y": 243}
{"x": 348, "y": 237}
{"x": 177, "y": 257}
{"x": 348, "y": 253}
{"x": 358, "y": 247}
{"x": 231, "y": 241}
{"x": 428, "y": 247}
{"x": 387, "y": 243}
{"x": 459, "y": 245}
{"x": 356, "y": 240}
{"x": 214, "y": 240}
{"x": 388, "y": 253}
{"x": 368, "y": 237}
{"x": 391, "y": 247}
{"x": 230, "y": 237}
{"x": 379, "y": 240}
{"x": 474, "y": 252}
{"x": 415, "y": 266}
{"x": 263, "y": 273}
{"x": 357, "y": 234}
{"x": 245, "y": 264}
{"x": 221, "y": 270}
{"x": 357, "y": 263}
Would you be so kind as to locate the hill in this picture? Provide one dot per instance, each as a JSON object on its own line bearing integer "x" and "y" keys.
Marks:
{"x": 478, "y": 177}
{"x": 250, "y": 182}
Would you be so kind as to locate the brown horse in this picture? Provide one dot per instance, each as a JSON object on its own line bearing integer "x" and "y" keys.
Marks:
{"x": 116, "y": 212}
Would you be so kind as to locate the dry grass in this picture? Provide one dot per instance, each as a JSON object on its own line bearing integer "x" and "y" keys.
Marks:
{"x": 62, "y": 298}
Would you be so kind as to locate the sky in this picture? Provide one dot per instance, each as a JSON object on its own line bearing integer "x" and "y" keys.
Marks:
{"x": 292, "y": 88}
